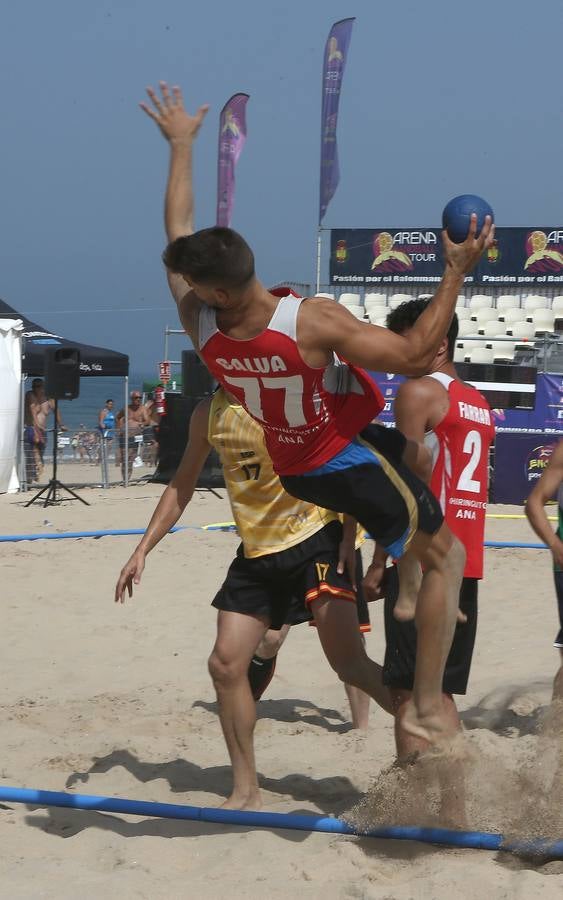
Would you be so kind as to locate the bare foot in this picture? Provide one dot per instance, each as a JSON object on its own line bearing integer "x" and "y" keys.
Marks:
{"x": 251, "y": 801}
{"x": 405, "y": 608}
{"x": 431, "y": 725}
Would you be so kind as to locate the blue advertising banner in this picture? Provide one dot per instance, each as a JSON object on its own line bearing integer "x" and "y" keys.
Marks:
{"x": 545, "y": 417}
{"x": 375, "y": 258}
{"x": 519, "y": 461}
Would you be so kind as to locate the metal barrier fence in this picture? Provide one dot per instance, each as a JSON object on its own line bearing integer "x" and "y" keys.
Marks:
{"x": 88, "y": 458}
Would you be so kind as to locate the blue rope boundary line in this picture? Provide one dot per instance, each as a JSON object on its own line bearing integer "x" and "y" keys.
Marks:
{"x": 476, "y": 840}
{"x": 223, "y": 526}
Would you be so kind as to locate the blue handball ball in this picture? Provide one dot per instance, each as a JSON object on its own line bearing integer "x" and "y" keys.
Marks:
{"x": 457, "y": 214}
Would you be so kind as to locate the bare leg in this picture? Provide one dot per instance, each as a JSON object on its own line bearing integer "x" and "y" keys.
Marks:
{"x": 359, "y": 706}
{"x": 237, "y": 638}
{"x": 450, "y": 773}
{"x": 263, "y": 663}
{"x": 271, "y": 643}
{"x": 443, "y": 560}
{"x": 341, "y": 640}
{"x": 410, "y": 581}
{"x": 558, "y": 680}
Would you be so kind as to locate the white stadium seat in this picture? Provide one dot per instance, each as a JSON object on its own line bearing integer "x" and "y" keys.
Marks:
{"x": 481, "y": 355}
{"x": 375, "y": 299}
{"x": 533, "y": 301}
{"x": 401, "y": 297}
{"x": 381, "y": 321}
{"x": 459, "y": 352}
{"x": 461, "y": 300}
{"x": 557, "y": 305}
{"x": 514, "y": 314}
{"x": 350, "y": 299}
{"x": 473, "y": 342}
{"x": 356, "y": 310}
{"x": 502, "y": 350}
{"x": 463, "y": 313}
{"x": 480, "y": 301}
{"x": 466, "y": 326}
{"x": 425, "y": 296}
{"x": 396, "y": 301}
{"x": 492, "y": 329}
{"x": 325, "y": 296}
{"x": 508, "y": 301}
{"x": 543, "y": 321}
{"x": 379, "y": 309}
{"x": 483, "y": 315}
{"x": 522, "y": 330}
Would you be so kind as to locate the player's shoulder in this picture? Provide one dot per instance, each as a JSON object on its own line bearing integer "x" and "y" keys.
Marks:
{"x": 421, "y": 389}
{"x": 188, "y": 311}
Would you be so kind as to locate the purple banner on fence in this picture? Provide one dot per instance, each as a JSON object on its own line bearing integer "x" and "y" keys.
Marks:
{"x": 520, "y": 460}
{"x": 232, "y": 135}
{"x": 336, "y": 53}
{"x": 547, "y": 415}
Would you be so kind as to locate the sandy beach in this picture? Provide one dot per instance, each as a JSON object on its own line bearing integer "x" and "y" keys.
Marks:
{"x": 116, "y": 701}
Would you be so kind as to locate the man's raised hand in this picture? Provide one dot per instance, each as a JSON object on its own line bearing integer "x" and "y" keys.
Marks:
{"x": 168, "y": 111}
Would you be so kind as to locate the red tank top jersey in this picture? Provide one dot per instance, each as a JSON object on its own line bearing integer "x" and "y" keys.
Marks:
{"x": 460, "y": 474}
{"x": 308, "y": 415}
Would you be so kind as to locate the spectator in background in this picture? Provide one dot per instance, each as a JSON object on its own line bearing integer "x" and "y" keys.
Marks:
{"x": 138, "y": 419}
{"x": 37, "y": 408}
{"x": 150, "y": 436}
{"x": 106, "y": 424}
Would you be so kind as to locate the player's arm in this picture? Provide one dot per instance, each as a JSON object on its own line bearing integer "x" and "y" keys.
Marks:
{"x": 373, "y": 347}
{"x": 413, "y": 409}
{"x": 180, "y": 129}
{"x": 173, "y": 502}
{"x": 543, "y": 490}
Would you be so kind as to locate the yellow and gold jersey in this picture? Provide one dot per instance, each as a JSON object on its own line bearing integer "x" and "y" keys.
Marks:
{"x": 268, "y": 519}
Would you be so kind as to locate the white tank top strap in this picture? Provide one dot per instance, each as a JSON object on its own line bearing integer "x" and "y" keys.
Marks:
{"x": 442, "y": 378}
{"x": 207, "y": 325}
{"x": 284, "y": 319}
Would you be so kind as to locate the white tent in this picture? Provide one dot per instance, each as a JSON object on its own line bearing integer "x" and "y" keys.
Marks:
{"x": 10, "y": 378}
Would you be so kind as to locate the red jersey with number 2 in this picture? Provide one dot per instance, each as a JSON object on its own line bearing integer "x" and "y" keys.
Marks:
{"x": 308, "y": 415}
{"x": 460, "y": 476}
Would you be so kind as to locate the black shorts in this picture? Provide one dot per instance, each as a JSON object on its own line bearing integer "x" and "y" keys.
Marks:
{"x": 400, "y": 637}
{"x": 281, "y": 586}
{"x": 132, "y": 444}
{"x": 384, "y": 495}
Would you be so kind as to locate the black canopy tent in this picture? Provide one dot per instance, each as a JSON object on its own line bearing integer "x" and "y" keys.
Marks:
{"x": 94, "y": 361}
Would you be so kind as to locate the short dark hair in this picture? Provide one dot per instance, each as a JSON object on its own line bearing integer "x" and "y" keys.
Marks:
{"x": 36, "y": 382}
{"x": 404, "y": 316}
{"x": 109, "y": 401}
{"x": 214, "y": 257}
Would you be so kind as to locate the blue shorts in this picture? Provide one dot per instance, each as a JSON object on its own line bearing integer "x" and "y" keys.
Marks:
{"x": 369, "y": 481}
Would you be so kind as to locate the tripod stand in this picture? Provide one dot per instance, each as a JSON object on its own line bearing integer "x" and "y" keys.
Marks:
{"x": 54, "y": 486}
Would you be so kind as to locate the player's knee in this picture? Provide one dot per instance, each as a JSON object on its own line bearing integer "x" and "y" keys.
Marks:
{"x": 456, "y": 556}
{"x": 223, "y": 670}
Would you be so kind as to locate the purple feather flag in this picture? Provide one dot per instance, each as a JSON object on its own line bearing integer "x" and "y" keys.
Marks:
{"x": 336, "y": 53}
{"x": 232, "y": 135}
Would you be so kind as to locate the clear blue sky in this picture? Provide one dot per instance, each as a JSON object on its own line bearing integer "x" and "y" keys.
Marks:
{"x": 439, "y": 98}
